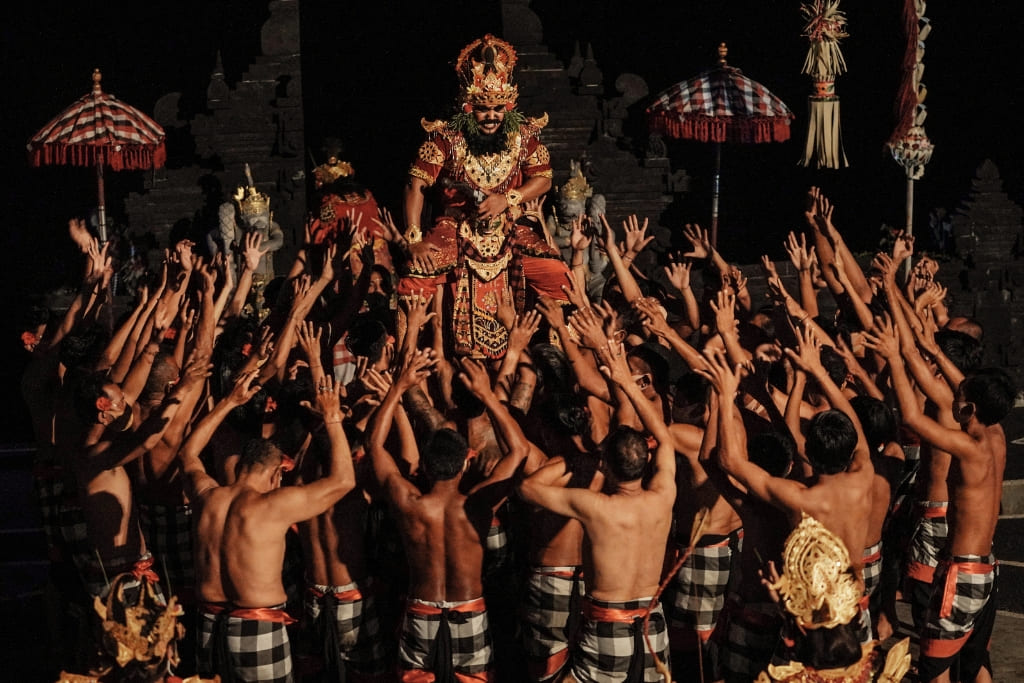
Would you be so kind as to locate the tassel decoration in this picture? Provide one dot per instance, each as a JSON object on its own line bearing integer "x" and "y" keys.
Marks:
{"x": 825, "y": 27}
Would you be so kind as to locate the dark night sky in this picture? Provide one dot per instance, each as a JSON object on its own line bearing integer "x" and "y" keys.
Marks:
{"x": 371, "y": 70}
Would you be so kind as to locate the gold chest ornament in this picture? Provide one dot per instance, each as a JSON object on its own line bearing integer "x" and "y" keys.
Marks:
{"x": 488, "y": 171}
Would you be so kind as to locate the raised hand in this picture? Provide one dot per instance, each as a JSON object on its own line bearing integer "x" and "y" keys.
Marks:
{"x": 885, "y": 266}
{"x": 808, "y": 353}
{"x": 652, "y": 316}
{"x": 614, "y": 366}
{"x": 724, "y": 307}
{"x": 575, "y": 292}
{"x": 416, "y": 369}
{"x": 636, "y": 237}
{"x": 387, "y": 225}
{"x": 417, "y": 310}
{"x": 506, "y": 313}
{"x": 552, "y": 311}
{"x": 309, "y": 336}
{"x": 802, "y": 257}
{"x": 903, "y": 248}
{"x": 251, "y": 251}
{"x": 579, "y": 239}
{"x": 522, "y": 331}
{"x": 678, "y": 274}
{"x": 883, "y": 340}
{"x": 724, "y": 378}
{"x": 474, "y": 375}
{"x": 587, "y": 325}
{"x": 699, "y": 239}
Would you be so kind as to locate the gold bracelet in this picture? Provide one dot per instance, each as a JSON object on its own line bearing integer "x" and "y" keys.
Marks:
{"x": 513, "y": 197}
{"x": 413, "y": 234}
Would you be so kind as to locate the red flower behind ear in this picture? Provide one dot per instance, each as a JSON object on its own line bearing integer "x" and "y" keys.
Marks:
{"x": 171, "y": 333}
{"x": 287, "y": 463}
{"x": 246, "y": 350}
{"x": 103, "y": 404}
{"x": 29, "y": 338}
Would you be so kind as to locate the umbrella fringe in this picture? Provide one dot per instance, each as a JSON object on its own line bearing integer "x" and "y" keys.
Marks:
{"x": 126, "y": 158}
{"x": 728, "y": 129}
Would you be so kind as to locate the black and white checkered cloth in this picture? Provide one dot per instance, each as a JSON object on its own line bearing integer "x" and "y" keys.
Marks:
{"x": 963, "y": 588}
{"x": 439, "y": 635}
{"x": 699, "y": 588}
{"x": 550, "y": 613}
{"x": 612, "y": 647}
{"x": 168, "y": 533}
{"x": 929, "y": 540}
{"x": 746, "y": 635}
{"x": 244, "y": 649}
{"x": 349, "y": 613}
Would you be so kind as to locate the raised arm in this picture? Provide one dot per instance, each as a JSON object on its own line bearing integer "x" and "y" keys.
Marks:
{"x": 294, "y": 504}
{"x": 197, "y": 480}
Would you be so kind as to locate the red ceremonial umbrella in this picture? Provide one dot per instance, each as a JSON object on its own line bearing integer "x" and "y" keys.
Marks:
{"x": 720, "y": 105}
{"x": 101, "y": 131}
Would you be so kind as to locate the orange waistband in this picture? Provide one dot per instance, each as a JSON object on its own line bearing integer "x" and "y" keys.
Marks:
{"x": 424, "y": 608}
{"x": 271, "y": 614}
{"x": 348, "y": 595}
{"x": 561, "y": 572}
{"x": 615, "y": 614}
{"x": 933, "y": 510}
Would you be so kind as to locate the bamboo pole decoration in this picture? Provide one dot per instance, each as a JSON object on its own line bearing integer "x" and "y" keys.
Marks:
{"x": 825, "y": 27}
{"x": 909, "y": 144}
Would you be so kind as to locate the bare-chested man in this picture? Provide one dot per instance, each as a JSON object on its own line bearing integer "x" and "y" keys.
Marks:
{"x": 240, "y": 539}
{"x": 839, "y": 491}
{"x": 960, "y": 615}
{"x": 626, "y": 536}
{"x": 445, "y": 634}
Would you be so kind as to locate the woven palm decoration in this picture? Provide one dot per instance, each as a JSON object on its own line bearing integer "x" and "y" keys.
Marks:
{"x": 825, "y": 27}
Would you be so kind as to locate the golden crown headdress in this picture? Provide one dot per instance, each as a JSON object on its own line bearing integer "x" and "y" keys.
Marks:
{"x": 251, "y": 202}
{"x": 333, "y": 169}
{"x": 576, "y": 187}
{"x": 485, "y": 68}
{"x": 817, "y": 585}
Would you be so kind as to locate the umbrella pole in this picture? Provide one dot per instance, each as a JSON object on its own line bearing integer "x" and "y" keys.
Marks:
{"x": 714, "y": 194}
{"x": 909, "y": 227}
{"x": 101, "y": 207}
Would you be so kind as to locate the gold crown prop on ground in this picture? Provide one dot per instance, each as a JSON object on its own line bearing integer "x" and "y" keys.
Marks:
{"x": 817, "y": 586}
{"x": 251, "y": 202}
{"x": 484, "y": 69}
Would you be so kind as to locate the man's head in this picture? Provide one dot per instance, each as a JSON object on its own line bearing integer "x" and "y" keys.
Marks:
{"x": 987, "y": 394}
{"x": 626, "y": 454}
{"x": 773, "y": 452}
{"x": 444, "y": 455}
{"x": 876, "y": 419}
{"x": 962, "y": 349}
{"x": 262, "y": 456}
{"x": 484, "y": 68}
{"x": 966, "y": 325}
{"x": 100, "y": 401}
{"x": 831, "y": 439}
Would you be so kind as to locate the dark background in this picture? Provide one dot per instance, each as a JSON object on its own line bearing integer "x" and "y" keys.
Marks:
{"x": 371, "y": 70}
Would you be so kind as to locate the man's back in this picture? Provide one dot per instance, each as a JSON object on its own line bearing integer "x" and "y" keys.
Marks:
{"x": 252, "y": 551}
{"x": 443, "y": 536}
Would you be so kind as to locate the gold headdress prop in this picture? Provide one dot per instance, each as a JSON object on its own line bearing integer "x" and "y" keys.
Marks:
{"x": 817, "y": 586}
{"x": 485, "y": 68}
{"x": 332, "y": 169}
{"x": 251, "y": 202}
{"x": 576, "y": 187}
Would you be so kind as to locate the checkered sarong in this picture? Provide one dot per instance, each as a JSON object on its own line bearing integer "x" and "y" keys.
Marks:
{"x": 929, "y": 540}
{"x": 346, "y": 619}
{"x": 49, "y": 483}
{"x": 168, "y": 533}
{"x": 548, "y": 621}
{"x": 248, "y": 644}
{"x": 964, "y": 584}
{"x": 699, "y": 588}
{"x": 872, "y": 573}
{"x": 612, "y": 648}
{"x": 746, "y": 635}
{"x": 437, "y": 636}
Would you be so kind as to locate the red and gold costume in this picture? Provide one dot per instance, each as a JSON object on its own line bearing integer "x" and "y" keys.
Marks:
{"x": 479, "y": 263}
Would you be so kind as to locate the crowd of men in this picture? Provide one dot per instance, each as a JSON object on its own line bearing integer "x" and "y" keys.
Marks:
{"x": 465, "y": 467}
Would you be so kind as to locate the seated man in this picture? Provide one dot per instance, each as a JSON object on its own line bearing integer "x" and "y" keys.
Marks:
{"x": 483, "y": 260}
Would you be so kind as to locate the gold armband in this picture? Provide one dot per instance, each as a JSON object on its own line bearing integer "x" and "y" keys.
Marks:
{"x": 513, "y": 197}
{"x": 413, "y": 234}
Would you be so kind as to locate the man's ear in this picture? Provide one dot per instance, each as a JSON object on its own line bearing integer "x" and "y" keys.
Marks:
{"x": 103, "y": 418}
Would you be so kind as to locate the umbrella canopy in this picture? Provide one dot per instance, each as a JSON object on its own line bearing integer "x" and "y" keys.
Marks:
{"x": 720, "y": 105}
{"x": 101, "y": 131}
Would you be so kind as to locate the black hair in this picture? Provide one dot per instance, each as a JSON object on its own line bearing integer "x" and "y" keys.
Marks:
{"x": 830, "y": 648}
{"x": 626, "y": 453}
{"x": 992, "y": 392}
{"x": 367, "y": 337}
{"x": 444, "y": 454}
{"x": 553, "y": 367}
{"x": 876, "y": 419}
{"x": 834, "y": 365}
{"x": 656, "y": 357}
{"x": 772, "y": 451}
{"x": 963, "y": 350}
{"x": 83, "y": 348}
{"x": 831, "y": 439}
{"x": 258, "y": 452}
{"x": 87, "y": 387}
